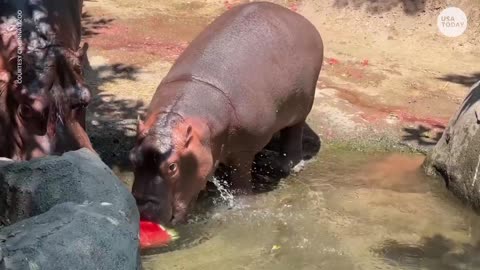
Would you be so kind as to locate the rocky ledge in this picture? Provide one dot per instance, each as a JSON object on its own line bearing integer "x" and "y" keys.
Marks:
{"x": 456, "y": 156}
{"x": 66, "y": 212}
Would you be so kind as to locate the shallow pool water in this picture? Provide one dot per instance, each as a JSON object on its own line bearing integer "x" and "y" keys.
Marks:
{"x": 345, "y": 210}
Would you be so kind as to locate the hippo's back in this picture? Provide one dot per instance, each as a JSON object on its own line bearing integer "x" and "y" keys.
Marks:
{"x": 259, "y": 54}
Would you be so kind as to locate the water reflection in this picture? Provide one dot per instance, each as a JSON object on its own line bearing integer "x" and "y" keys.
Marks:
{"x": 436, "y": 253}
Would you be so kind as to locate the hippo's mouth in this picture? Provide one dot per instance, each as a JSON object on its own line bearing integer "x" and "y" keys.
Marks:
{"x": 148, "y": 216}
{"x": 150, "y": 210}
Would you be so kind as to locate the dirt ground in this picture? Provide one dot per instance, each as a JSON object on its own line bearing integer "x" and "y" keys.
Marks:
{"x": 389, "y": 76}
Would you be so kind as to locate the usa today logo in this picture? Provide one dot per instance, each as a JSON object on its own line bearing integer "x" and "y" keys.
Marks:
{"x": 452, "y": 22}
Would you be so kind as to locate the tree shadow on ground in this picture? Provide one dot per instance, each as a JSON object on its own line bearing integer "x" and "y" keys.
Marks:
{"x": 410, "y": 7}
{"x": 435, "y": 253}
{"x": 466, "y": 80}
{"x": 112, "y": 121}
{"x": 422, "y": 135}
{"x": 91, "y": 25}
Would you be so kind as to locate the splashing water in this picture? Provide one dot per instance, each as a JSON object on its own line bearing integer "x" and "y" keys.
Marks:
{"x": 225, "y": 195}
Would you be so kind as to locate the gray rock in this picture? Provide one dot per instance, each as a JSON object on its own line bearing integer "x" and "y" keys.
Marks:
{"x": 67, "y": 212}
{"x": 456, "y": 156}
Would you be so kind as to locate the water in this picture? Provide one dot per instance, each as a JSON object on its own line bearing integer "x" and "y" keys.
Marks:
{"x": 225, "y": 195}
{"x": 344, "y": 211}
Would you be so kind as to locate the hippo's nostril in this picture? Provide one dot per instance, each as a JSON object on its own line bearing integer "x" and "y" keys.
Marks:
{"x": 145, "y": 199}
{"x": 145, "y": 216}
{"x": 139, "y": 199}
{"x": 172, "y": 220}
{"x": 140, "y": 202}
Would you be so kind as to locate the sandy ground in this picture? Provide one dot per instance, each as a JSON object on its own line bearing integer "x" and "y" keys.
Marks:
{"x": 388, "y": 76}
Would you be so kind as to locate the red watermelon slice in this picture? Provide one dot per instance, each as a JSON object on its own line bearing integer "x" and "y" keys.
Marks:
{"x": 155, "y": 235}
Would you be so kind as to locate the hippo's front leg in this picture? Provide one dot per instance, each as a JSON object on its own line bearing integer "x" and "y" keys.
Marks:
{"x": 241, "y": 175}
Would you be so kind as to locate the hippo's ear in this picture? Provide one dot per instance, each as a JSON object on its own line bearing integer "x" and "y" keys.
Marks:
{"x": 4, "y": 76}
{"x": 81, "y": 54}
{"x": 3, "y": 70}
{"x": 82, "y": 51}
{"x": 140, "y": 127}
{"x": 188, "y": 137}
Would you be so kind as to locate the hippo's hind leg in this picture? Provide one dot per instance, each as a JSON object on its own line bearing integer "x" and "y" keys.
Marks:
{"x": 291, "y": 147}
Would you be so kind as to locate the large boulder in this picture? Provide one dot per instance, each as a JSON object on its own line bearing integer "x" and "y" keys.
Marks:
{"x": 67, "y": 212}
{"x": 456, "y": 156}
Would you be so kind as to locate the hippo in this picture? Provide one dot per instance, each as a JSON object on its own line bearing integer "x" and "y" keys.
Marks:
{"x": 43, "y": 94}
{"x": 251, "y": 74}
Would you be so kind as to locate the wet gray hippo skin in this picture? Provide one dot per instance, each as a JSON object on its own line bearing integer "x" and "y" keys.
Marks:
{"x": 251, "y": 73}
{"x": 44, "y": 113}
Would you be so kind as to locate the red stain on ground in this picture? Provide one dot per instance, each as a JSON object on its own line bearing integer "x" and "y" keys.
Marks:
{"x": 430, "y": 121}
{"x": 164, "y": 37}
{"x": 353, "y": 71}
{"x": 119, "y": 37}
{"x": 374, "y": 112}
{"x": 332, "y": 61}
{"x": 294, "y": 7}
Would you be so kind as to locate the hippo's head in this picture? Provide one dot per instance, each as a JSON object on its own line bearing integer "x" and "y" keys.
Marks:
{"x": 173, "y": 161}
{"x": 45, "y": 98}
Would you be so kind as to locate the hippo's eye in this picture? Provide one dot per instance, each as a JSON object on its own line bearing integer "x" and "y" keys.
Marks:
{"x": 172, "y": 168}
